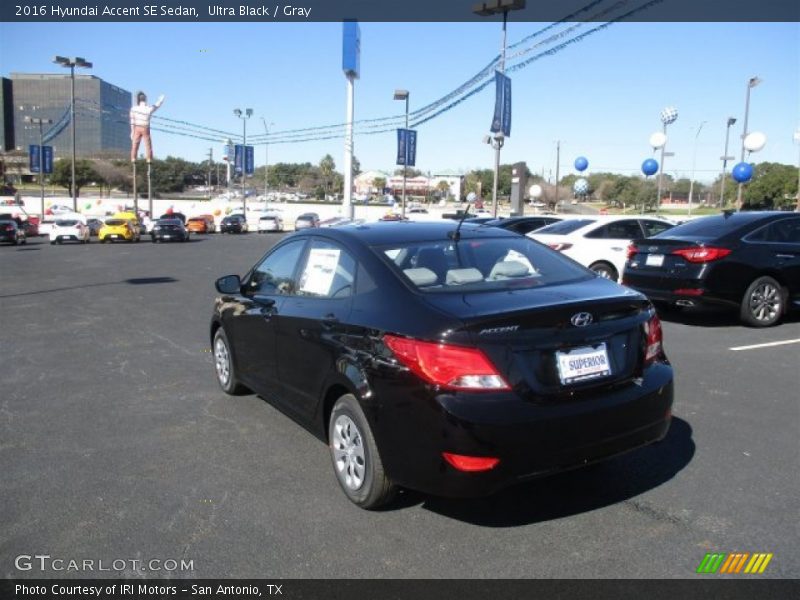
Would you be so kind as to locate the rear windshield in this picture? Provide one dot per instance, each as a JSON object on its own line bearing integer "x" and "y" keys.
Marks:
{"x": 706, "y": 228}
{"x": 66, "y": 222}
{"x": 565, "y": 227}
{"x": 479, "y": 265}
{"x": 116, "y": 222}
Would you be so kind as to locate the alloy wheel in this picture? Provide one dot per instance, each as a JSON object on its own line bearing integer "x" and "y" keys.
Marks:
{"x": 765, "y": 302}
{"x": 222, "y": 361}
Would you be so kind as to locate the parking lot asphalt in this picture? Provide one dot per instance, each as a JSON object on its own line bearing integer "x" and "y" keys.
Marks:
{"x": 117, "y": 443}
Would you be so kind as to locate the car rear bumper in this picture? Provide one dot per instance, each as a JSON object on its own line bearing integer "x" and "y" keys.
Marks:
{"x": 680, "y": 292}
{"x": 530, "y": 439}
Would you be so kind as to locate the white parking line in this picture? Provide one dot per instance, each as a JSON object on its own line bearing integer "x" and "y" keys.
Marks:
{"x": 767, "y": 345}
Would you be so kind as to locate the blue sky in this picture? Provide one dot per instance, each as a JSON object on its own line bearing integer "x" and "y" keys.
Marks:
{"x": 601, "y": 96}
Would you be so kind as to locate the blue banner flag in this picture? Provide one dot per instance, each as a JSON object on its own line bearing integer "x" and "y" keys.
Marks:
{"x": 238, "y": 158}
{"x": 249, "y": 160}
{"x": 34, "y": 158}
{"x": 47, "y": 159}
{"x": 502, "y": 104}
{"x": 406, "y": 147}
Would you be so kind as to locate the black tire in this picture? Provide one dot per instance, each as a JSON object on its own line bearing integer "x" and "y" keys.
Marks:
{"x": 350, "y": 440}
{"x": 226, "y": 379}
{"x": 605, "y": 270}
{"x": 764, "y": 303}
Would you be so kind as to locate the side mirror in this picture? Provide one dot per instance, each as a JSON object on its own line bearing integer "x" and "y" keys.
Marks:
{"x": 230, "y": 284}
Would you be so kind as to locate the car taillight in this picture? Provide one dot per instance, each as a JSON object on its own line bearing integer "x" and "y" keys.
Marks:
{"x": 560, "y": 246}
{"x": 471, "y": 463}
{"x": 631, "y": 251}
{"x": 653, "y": 340}
{"x": 702, "y": 254}
{"x": 9, "y": 228}
{"x": 451, "y": 367}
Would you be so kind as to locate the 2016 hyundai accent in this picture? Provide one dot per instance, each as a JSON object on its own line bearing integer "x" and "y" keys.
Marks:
{"x": 448, "y": 358}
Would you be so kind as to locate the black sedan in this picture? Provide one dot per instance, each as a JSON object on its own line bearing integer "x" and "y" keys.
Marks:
{"x": 169, "y": 230}
{"x": 233, "y": 224}
{"x": 749, "y": 261}
{"x": 450, "y": 362}
{"x": 12, "y": 233}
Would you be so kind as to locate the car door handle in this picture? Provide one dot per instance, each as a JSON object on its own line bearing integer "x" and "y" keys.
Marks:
{"x": 785, "y": 255}
{"x": 329, "y": 321}
{"x": 616, "y": 248}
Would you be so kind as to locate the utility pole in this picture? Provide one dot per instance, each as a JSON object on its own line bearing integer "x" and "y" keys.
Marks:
{"x": 210, "y": 163}
{"x": 558, "y": 166}
{"x": 751, "y": 83}
{"x": 725, "y": 159}
{"x": 40, "y": 123}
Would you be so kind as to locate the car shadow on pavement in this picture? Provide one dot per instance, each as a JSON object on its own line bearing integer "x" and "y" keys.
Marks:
{"x": 136, "y": 281}
{"x": 710, "y": 317}
{"x": 579, "y": 491}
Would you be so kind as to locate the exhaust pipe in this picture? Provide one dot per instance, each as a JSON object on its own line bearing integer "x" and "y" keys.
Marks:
{"x": 684, "y": 303}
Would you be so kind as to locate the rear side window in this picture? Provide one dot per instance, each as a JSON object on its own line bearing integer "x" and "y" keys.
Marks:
{"x": 567, "y": 226}
{"x": 785, "y": 231}
{"x": 479, "y": 265}
{"x": 707, "y": 228}
{"x": 329, "y": 271}
{"x": 652, "y": 228}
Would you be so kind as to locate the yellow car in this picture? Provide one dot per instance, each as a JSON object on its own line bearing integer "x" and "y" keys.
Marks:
{"x": 118, "y": 229}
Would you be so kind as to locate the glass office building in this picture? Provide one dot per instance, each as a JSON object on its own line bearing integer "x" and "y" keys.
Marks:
{"x": 101, "y": 114}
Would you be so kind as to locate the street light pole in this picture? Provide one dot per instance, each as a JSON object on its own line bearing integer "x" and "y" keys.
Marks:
{"x": 694, "y": 162}
{"x": 40, "y": 123}
{"x": 248, "y": 112}
{"x": 266, "y": 156}
{"x": 72, "y": 63}
{"x": 797, "y": 140}
{"x": 492, "y": 8}
{"x": 403, "y": 95}
{"x": 725, "y": 159}
{"x": 753, "y": 82}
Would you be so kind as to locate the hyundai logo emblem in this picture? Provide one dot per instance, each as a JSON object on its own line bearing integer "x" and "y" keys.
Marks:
{"x": 581, "y": 319}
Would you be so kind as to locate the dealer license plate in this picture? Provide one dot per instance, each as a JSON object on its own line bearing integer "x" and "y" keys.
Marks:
{"x": 654, "y": 260}
{"x": 580, "y": 364}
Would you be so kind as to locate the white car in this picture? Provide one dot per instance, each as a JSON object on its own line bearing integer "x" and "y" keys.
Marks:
{"x": 271, "y": 222}
{"x": 69, "y": 229}
{"x": 599, "y": 242}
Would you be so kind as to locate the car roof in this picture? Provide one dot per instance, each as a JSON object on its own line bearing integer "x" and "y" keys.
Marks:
{"x": 399, "y": 232}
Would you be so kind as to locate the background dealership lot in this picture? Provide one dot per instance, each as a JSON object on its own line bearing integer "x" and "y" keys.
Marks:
{"x": 115, "y": 442}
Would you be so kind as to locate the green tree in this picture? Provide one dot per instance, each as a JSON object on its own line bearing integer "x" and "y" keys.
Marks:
{"x": 327, "y": 168}
{"x": 773, "y": 185}
{"x": 379, "y": 183}
{"x": 410, "y": 172}
{"x": 84, "y": 174}
{"x": 444, "y": 188}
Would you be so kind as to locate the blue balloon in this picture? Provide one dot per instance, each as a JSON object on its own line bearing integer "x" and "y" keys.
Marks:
{"x": 581, "y": 163}
{"x": 650, "y": 167}
{"x": 742, "y": 173}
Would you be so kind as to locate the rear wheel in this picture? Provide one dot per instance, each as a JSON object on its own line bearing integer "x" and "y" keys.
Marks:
{"x": 223, "y": 364}
{"x": 763, "y": 303}
{"x": 605, "y": 270}
{"x": 356, "y": 462}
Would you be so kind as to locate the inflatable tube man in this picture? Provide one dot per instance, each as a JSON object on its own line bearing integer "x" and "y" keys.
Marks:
{"x": 140, "y": 125}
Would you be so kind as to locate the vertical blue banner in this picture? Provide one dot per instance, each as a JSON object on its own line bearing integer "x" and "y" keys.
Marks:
{"x": 238, "y": 158}
{"x": 34, "y": 159}
{"x": 401, "y": 146}
{"x": 406, "y": 147}
{"x": 411, "y": 148}
{"x": 351, "y": 49}
{"x": 502, "y": 104}
{"x": 47, "y": 159}
{"x": 249, "y": 160}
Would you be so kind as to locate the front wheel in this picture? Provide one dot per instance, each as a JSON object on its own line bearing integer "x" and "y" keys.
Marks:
{"x": 763, "y": 303}
{"x": 223, "y": 364}
{"x": 356, "y": 462}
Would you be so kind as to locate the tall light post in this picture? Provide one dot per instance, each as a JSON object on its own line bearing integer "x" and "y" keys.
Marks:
{"x": 485, "y": 9}
{"x": 668, "y": 116}
{"x": 248, "y": 112}
{"x": 266, "y": 156}
{"x": 72, "y": 63}
{"x": 41, "y": 123}
{"x": 752, "y": 82}
{"x": 496, "y": 141}
{"x": 725, "y": 158}
{"x": 403, "y": 95}
{"x": 694, "y": 162}
{"x": 797, "y": 141}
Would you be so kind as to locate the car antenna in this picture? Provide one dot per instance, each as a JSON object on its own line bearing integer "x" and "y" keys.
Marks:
{"x": 456, "y": 235}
